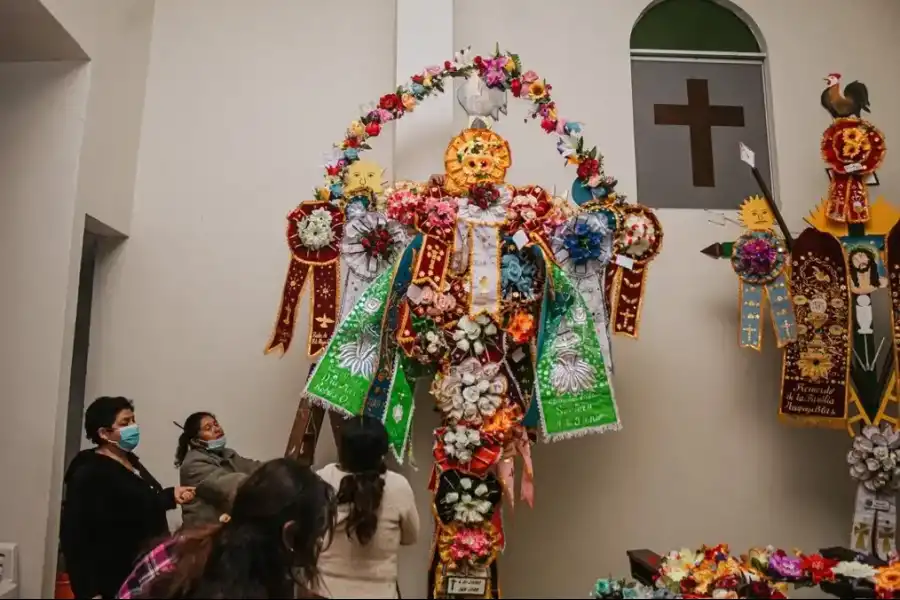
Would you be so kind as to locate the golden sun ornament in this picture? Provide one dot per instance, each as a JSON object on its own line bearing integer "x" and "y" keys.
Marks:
{"x": 475, "y": 156}
{"x": 364, "y": 176}
{"x": 755, "y": 214}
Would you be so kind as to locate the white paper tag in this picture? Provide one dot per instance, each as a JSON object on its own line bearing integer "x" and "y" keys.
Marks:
{"x": 520, "y": 238}
{"x": 518, "y": 355}
{"x": 414, "y": 293}
{"x": 625, "y": 261}
{"x": 853, "y": 168}
{"x": 466, "y": 586}
{"x": 747, "y": 155}
{"x": 881, "y": 505}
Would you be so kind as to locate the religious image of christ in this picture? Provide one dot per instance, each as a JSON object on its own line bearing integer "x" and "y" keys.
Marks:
{"x": 864, "y": 275}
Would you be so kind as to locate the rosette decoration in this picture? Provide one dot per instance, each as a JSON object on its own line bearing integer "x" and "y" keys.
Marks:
{"x": 583, "y": 247}
{"x": 758, "y": 258}
{"x": 314, "y": 234}
{"x": 874, "y": 462}
{"x": 853, "y": 149}
{"x": 638, "y": 242}
{"x": 371, "y": 244}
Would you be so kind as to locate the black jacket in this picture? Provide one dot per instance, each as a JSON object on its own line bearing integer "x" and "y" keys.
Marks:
{"x": 110, "y": 518}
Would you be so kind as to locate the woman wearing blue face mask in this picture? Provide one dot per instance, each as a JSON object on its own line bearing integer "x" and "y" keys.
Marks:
{"x": 208, "y": 465}
{"x": 113, "y": 507}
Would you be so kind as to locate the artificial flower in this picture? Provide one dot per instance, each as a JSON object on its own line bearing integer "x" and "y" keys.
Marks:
{"x": 875, "y": 457}
{"x": 371, "y": 242}
{"x": 588, "y": 167}
{"x": 391, "y": 102}
{"x": 471, "y": 334}
{"x": 432, "y": 344}
{"x": 470, "y": 504}
{"x": 785, "y": 566}
{"x": 471, "y": 545}
{"x": 440, "y": 214}
{"x": 502, "y": 423}
{"x": 586, "y": 241}
{"x": 537, "y": 90}
{"x": 442, "y": 304}
{"x": 484, "y": 195}
{"x": 521, "y": 327}
{"x": 529, "y": 77}
{"x": 471, "y": 391}
{"x": 724, "y": 593}
{"x": 351, "y": 154}
{"x": 314, "y": 230}
{"x": 408, "y": 101}
{"x": 527, "y": 206}
{"x": 818, "y": 568}
{"x": 373, "y": 128}
{"x": 403, "y": 204}
{"x": 356, "y": 129}
{"x": 638, "y": 235}
{"x": 515, "y": 86}
{"x": 854, "y": 570}
{"x": 494, "y": 71}
{"x": 460, "y": 442}
{"x": 887, "y": 579}
{"x": 517, "y": 276}
{"x": 815, "y": 363}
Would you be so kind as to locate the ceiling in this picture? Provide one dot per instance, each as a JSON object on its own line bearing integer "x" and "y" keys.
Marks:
{"x": 28, "y": 32}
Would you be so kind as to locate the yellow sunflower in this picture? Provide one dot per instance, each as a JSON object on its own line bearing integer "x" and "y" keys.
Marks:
{"x": 537, "y": 90}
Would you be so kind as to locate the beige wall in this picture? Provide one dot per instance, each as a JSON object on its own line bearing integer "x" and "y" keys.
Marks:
{"x": 69, "y": 147}
{"x": 42, "y": 109}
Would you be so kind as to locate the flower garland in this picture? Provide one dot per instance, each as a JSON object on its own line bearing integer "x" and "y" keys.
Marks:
{"x": 501, "y": 71}
{"x": 713, "y": 572}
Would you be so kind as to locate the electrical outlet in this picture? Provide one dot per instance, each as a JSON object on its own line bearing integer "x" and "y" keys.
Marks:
{"x": 9, "y": 562}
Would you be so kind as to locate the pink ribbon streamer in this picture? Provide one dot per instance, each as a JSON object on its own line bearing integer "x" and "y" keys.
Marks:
{"x": 506, "y": 472}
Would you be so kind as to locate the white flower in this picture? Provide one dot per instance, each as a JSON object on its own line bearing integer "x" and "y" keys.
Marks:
{"x": 471, "y": 333}
{"x": 471, "y": 391}
{"x": 460, "y": 442}
{"x": 854, "y": 570}
{"x": 470, "y": 506}
{"x": 314, "y": 230}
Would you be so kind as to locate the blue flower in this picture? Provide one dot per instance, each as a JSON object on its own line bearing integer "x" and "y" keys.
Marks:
{"x": 351, "y": 154}
{"x": 602, "y": 588}
{"x": 584, "y": 244}
{"x": 417, "y": 89}
{"x": 573, "y": 127}
{"x": 336, "y": 189}
{"x": 517, "y": 275}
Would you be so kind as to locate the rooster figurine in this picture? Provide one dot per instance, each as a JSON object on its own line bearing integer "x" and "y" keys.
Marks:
{"x": 852, "y": 103}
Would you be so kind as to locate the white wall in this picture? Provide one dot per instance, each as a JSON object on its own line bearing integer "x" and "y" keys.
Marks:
{"x": 241, "y": 101}
{"x": 42, "y": 109}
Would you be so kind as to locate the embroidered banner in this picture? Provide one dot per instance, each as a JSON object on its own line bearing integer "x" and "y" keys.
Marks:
{"x": 343, "y": 376}
{"x": 853, "y": 149}
{"x": 573, "y": 391}
{"x": 892, "y": 264}
{"x": 399, "y": 413}
{"x": 314, "y": 234}
{"x": 814, "y": 382}
{"x": 638, "y": 242}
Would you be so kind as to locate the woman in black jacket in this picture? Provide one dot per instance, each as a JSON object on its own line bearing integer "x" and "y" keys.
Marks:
{"x": 114, "y": 509}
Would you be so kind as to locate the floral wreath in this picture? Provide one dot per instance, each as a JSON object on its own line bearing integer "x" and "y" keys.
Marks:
{"x": 758, "y": 257}
{"x": 502, "y": 71}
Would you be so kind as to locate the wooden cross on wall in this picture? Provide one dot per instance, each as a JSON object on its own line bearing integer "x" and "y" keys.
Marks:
{"x": 701, "y": 117}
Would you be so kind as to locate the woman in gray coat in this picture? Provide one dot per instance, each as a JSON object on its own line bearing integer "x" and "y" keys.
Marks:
{"x": 211, "y": 467}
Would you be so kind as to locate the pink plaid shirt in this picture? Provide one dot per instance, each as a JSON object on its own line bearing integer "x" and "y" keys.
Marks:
{"x": 160, "y": 560}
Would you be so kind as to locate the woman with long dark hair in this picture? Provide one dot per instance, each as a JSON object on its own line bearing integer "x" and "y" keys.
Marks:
{"x": 282, "y": 517}
{"x": 376, "y": 515}
{"x": 207, "y": 464}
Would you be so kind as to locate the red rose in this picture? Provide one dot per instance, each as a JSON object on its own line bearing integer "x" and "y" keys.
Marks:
{"x": 373, "y": 129}
{"x": 352, "y": 142}
{"x": 478, "y": 61}
{"x": 448, "y": 65}
{"x": 391, "y": 102}
{"x": 418, "y": 79}
{"x": 515, "y": 87}
{"x": 588, "y": 168}
{"x": 334, "y": 169}
{"x": 548, "y": 125}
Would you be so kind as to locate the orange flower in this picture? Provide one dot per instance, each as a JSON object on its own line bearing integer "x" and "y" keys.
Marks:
{"x": 537, "y": 90}
{"x": 502, "y": 422}
{"x": 888, "y": 578}
{"x": 521, "y": 327}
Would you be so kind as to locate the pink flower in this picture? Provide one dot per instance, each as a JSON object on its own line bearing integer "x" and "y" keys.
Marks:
{"x": 594, "y": 180}
{"x": 494, "y": 78}
{"x": 444, "y": 303}
{"x": 427, "y": 296}
{"x": 402, "y": 206}
{"x": 441, "y": 213}
{"x": 434, "y": 70}
{"x": 529, "y": 77}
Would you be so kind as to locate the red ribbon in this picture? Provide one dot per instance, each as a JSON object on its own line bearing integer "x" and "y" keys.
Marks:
{"x": 324, "y": 264}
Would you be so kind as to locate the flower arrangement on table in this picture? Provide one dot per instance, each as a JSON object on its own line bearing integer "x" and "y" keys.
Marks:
{"x": 713, "y": 572}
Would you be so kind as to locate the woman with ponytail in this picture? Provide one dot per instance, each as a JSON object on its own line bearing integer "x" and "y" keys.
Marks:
{"x": 211, "y": 467}
{"x": 376, "y": 515}
{"x": 282, "y": 518}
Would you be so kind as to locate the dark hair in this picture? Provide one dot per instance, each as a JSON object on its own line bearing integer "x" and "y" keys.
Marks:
{"x": 254, "y": 555}
{"x": 102, "y": 413}
{"x": 190, "y": 432}
{"x": 363, "y": 444}
{"x": 872, "y": 267}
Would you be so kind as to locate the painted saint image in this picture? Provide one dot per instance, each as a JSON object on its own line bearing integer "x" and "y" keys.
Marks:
{"x": 865, "y": 277}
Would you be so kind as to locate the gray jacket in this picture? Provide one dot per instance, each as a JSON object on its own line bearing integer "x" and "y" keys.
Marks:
{"x": 216, "y": 475}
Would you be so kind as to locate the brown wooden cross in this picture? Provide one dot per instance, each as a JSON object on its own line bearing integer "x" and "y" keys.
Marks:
{"x": 701, "y": 118}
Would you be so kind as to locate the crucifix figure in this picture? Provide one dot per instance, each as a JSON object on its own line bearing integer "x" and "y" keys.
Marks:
{"x": 700, "y": 117}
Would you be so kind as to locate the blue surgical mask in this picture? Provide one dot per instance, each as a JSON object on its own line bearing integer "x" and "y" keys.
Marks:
{"x": 216, "y": 444}
{"x": 129, "y": 437}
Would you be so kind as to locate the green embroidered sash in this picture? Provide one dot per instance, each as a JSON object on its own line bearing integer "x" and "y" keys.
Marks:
{"x": 574, "y": 394}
